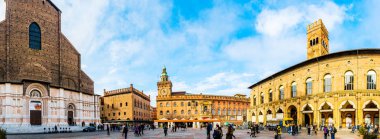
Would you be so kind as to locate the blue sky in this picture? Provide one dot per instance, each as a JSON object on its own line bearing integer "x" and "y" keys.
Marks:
{"x": 210, "y": 47}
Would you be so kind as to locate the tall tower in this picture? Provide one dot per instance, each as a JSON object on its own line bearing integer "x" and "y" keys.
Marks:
{"x": 317, "y": 40}
{"x": 164, "y": 85}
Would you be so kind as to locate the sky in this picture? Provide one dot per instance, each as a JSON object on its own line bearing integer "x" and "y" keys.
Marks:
{"x": 217, "y": 47}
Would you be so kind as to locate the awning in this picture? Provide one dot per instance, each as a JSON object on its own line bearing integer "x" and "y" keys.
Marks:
{"x": 179, "y": 121}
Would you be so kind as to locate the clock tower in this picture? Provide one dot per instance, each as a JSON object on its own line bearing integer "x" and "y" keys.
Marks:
{"x": 164, "y": 85}
{"x": 317, "y": 40}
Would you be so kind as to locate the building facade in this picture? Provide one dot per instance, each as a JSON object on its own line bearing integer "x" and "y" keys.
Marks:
{"x": 125, "y": 105}
{"x": 193, "y": 110}
{"x": 338, "y": 88}
{"x": 153, "y": 113}
{"x": 41, "y": 80}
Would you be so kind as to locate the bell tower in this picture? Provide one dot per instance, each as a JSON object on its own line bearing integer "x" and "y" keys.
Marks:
{"x": 317, "y": 40}
{"x": 164, "y": 85}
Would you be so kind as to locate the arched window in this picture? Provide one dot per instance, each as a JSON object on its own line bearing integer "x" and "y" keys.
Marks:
{"x": 167, "y": 104}
{"x": 175, "y": 112}
{"x": 229, "y": 111}
{"x": 262, "y": 98}
{"x": 167, "y": 112}
{"x": 348, "y": 81}
{"x": 294, "y": 90}
{"x": 161, "y": 113}
{"x": 311, "y": 43}
{"x": 309, "y": 86}
{"x": 270, "y": 95}
{"x": 182, "y": 104}
{"x": 281, "y": 93}
{"x": 34, "y": 36}
{"x": 327, "y": 83}
{"x": 213, "y": 111}
{"x": 316, "y": 42}
{"x": 218, "y": 111}
{"x": 175, "y": 104}
{"x": 371, "y": 80}
{"x": 182, "y": 112}
{"x": 189, "y": 112}
{"x": 126, "y": 104}
{"x": 160, "y": 104}
{"x": 224, "y": 112}
{"x": 188, "y": 104}
{"x": 254, "y": 100}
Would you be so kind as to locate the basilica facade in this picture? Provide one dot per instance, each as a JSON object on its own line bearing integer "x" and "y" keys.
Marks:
{"x": 41, "y": 80}
{"x": 337, "y": 89}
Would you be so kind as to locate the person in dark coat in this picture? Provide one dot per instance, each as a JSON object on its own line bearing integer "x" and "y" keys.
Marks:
{"x": 209, "y": 128}
{"x": 165, "y": 130}
{"x": 108, "y": 130}
{"x": 125, "y": 131}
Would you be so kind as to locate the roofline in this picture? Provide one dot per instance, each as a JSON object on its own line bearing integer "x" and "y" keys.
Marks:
{"x": 54, "y": 6}
{"x": 309, "y": 61}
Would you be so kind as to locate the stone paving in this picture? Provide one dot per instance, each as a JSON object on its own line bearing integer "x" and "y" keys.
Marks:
{"x": 189, "y": 134}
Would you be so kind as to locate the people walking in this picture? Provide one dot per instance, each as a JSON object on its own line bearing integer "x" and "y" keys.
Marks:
{"x": 165, "y": 130}
{"x": 325, "y": 132}
{"x": 108, "y": 129}
{"x": 279, "y": 132}
{"x": 125, "y": 131}
{"x": 333, "y": 131}
{"x": 230, "y": 132}
{"x": 217, "y": 134}
{"x": 308, "y": 129}
{"x": 208, "y": 128}
{"x": 253, "y": 131}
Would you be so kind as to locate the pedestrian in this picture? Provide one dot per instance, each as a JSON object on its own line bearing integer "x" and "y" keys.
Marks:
{"x": 142, "y": 129}
{"x": 125, "y": 131}
{"x": 315, "y": 129}
{"x": 253, "y": 132}
{"x": 308, "y": 129}
{"x": 165, "y": 130}
{"x": 217, "y": 134}
{"x": 325, "y": 131}
{"x": 108, "y": 130}
{"x": 208, "y": 128}
{"x": 230, "y": 132}
{"x": 56, "y": 129}
{"x": 279, "y": 132}
{"x": 257, "y": 128}
{"x": 376, "y": 130}
{"x": 333, "y": 131}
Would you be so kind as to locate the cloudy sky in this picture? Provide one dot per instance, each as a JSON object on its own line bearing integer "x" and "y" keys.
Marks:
{"x": 211, "y": 47}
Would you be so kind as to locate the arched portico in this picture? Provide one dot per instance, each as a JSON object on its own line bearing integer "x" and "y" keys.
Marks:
{"x": 326, "y": 111}
{"x": 371, "y": 112}
{"x": 292, "y": 113}
{"x": 347, "y": 113}
{"x": 307, "y": 114}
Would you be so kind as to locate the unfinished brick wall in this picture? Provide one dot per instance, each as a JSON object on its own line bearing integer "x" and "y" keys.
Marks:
{"x": 56, "y": 64}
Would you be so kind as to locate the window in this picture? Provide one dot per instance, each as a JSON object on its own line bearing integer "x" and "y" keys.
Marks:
{"x": 309, "y": 86}
{"x": 175, "y": 112}
{"x": 126, "y": 103}
{"x": 218, "y": 111}
{"x": 270, "y": 95}
{"x": 254, "y": 100}
{"x": 112, "y": 106}
{"x": 196, "y": 112}
{"x": 229, "y": 112}
{"x": 108, "y": 105}
{"x": 182, "y": 112}
{"x": 224, "y": 112}
{"x": 294, "y": 90}
{"x": 213, "y": 111}
{"x": 34, "y": 36}
{"x": 234, "y": 111}
{"x": 161, "y": 113}
{"x": 196, "y": 103}
{"x": 121, "y": 104}
{"x": 167, "y": 112}
{"x": 125, "y": 113}
{"x": 113, "y": 114}
{"x": 167, "y": 104}
{"x": 189, "y": 111}
{"x": 188, "y": 104}
{"x": 281, "y": 93}
{"x": 316, "y": 42}
{"x": 327, "y": 83}
{"x": 35, "y": 94}
{"x": 348, "y": 81}
{"x": 160, "y": 104}
{"x": 119, "y": 113}
{"x": 182, "y": 104}
{"x": 262, "y": 98}
{"x": 175, "y": 104}
{"x": 371, "y": 80}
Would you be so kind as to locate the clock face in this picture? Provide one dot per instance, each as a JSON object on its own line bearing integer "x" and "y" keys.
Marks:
{"x": 163, "y": 92}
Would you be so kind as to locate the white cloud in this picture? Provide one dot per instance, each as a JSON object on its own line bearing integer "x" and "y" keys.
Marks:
{"x": 282, "y": 41}
{"x": 2, "y": 10}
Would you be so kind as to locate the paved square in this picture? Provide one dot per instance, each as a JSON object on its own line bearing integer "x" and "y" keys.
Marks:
{"x": 189, "y": 134}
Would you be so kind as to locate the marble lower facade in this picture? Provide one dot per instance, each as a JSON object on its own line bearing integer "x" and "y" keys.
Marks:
{"x": 41, "y": 106}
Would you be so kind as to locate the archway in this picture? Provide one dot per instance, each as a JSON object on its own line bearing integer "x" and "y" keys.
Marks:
{"x": 371, "y": 113}
{"x": 307, "y": 112}
{"x": 326, "y": 114}
{"x": 35, "y": 108}
{"x": 70, "y": 114}
{"x": 347, "y": 112}
{"x": 292, "y": 113}
{"x": 253, "y": 117}
{"x": 279, "y": 114}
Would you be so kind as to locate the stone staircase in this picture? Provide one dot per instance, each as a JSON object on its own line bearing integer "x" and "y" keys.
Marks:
{"x": 38, "y": 129}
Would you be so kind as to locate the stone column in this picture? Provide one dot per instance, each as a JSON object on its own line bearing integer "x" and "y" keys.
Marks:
{"x": 61, "y": 107}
